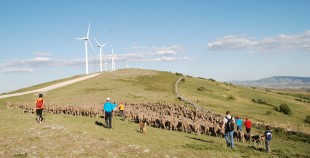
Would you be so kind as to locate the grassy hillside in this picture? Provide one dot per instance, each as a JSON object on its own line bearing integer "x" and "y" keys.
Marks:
{"x": 221, "y": 97}
{"x": 20, "y": 136}
{"x": 70, "y": 136}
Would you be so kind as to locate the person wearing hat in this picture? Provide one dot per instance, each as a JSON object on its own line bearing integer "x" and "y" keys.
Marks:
{"x": 108, "y": 108}
{"x": 239, "y": 123}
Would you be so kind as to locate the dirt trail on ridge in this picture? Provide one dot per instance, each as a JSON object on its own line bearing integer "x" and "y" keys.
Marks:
{"x": 45, "y": 89}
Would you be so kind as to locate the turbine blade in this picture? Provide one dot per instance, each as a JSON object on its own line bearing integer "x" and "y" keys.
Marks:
{"x": 88, "y": 30}
{"x": 97, "y": 42}
{"x": 104, "y": 44}
{"x": 91, "y": 45}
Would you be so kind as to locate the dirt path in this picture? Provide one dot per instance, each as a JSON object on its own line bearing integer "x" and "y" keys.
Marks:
{"x": 58, "y": 85}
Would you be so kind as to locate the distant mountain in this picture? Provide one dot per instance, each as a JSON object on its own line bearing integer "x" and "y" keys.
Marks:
{"x": 278, "y": 82}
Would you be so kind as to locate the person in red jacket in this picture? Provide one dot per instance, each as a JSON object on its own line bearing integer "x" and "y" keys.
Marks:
{"x": 248, "y": 125}
{"x": 39, "y": 108}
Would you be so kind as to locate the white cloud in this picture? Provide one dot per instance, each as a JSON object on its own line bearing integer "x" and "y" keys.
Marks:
{"x": 171, "y": 50}
{"x": 166, "y": 59}
{"x": 281, "y": 43}
{"x": 136, "y": 54}
{"x": 41, "y": 59}
{"x": 16, "y": 69}
{"x": 41, "y": 53}
{"x": 28, "y": 65}
{"x": 163, "y": 51}
{"x": 152, "y": 54}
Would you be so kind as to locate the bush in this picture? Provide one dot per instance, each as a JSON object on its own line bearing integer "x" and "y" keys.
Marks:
{"x": 212, "y": 80}
{"x": 307, "y": 120}
{"x": 276, "y": 108}
{"x": 261, "y": 101}
{"x": 268, "y": 113}
{"x": 201, "y": 88}
{"x": 298, "y": 99}
{"x": 183, "y": 80}
{"x": 230, "y": 97}
{"x": 285, "y": 109}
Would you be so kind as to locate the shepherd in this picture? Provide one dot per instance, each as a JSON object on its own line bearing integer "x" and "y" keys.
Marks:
{"x": 108, "y": 108}
{"x": 39, "y": 108}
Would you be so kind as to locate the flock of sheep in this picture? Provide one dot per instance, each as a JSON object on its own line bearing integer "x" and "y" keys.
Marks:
{"x": 160, "y": 115}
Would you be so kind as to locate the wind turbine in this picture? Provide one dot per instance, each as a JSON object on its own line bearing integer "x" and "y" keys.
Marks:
{"x": 100, "y": 47}
{"x": 86, "y": 39}
{"x": 94, "y": 51}
{"x": 112, "y": 59}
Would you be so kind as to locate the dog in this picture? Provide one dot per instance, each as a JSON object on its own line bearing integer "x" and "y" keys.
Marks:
{"x": 258, "y": 140}
{"x": 143, "y": 127}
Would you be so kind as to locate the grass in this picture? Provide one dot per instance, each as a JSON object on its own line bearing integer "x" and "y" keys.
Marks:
{"x": 69, "y": 136}
{"x": 217, "y": 94}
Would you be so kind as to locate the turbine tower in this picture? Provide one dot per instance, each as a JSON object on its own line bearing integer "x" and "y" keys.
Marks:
{"x": 86, "y": 39}
{"x": 100, "y": 47}
{"x": 113, "y": 59}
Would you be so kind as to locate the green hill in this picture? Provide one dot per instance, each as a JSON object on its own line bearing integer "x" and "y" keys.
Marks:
{"x": 66, "y": 135}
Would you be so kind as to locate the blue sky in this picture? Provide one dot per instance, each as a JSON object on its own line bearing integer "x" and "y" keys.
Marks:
{"x": 224, "y": 40}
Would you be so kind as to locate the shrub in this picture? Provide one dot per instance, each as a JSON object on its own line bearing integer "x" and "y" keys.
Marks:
{"x": 307, "y": 120}
{"x": 183, "y": 80}
{"x": 201, "y": 88}
{"x": 230, "y": 97}
{"x": 279, "y": 130}
{"x": 285, "y": 109}
{"x": 261, "y": 101}
{"x": 268, "y": 113}
{"x": 276, "y": 108}
{"x": 298, "y": 99}
{"x": 213, "y": 80}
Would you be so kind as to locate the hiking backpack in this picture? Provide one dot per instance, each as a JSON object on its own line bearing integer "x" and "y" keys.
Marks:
{"x": 230, "y": 125}
{"x": 268, "y": 135}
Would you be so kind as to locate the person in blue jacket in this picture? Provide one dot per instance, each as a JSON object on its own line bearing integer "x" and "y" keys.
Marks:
{"x": 268, "y": 136}
{"x": 108, "y": 108}
{"x": 239, "y": 124}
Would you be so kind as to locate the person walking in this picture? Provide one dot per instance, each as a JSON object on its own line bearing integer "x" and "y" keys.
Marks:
{"x": 239, "y": 123}
{"x": 228, "y": 126}
{"x": 268, "y": 136}
{"x": 121, "y": 108}
{"x": 108, "y": 108}
{"x": 39, "y": 108}
{"x": 248, "y": 126}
